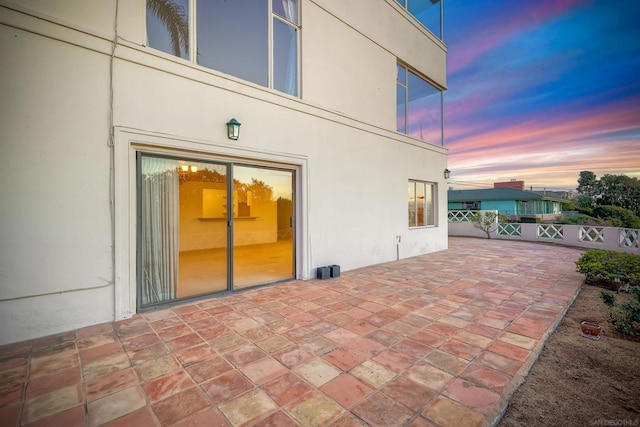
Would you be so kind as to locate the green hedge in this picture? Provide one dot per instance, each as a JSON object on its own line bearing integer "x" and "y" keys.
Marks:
{"x": 619, "y": 217}
{"x": 598, "y": 265}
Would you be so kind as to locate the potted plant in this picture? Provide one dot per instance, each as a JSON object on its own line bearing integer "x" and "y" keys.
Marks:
{"x": 590, "y": 329}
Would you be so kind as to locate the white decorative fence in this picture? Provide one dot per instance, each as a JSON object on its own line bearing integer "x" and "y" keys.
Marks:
{"x": 550, "y": 231}
{"x": 592, "y": 234}
{"x": 629, "y": 238}
{"x": 460, "y": 216}
{"x": 585, "y": 236}
{"x": 509, "y": 229}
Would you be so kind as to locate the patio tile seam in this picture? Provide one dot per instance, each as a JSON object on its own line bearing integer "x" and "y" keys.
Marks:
{"x": 23, "y": 400}
{"x": 83, "y": 382}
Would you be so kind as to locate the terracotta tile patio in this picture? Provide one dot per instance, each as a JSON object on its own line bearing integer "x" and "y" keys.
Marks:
{"x": 436, "y": 340}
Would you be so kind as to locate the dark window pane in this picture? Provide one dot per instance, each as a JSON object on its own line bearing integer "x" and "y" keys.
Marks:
{"x": 285, "y": 58}
{"x": 233, "y": 38}
{"x": 168, "y": 26}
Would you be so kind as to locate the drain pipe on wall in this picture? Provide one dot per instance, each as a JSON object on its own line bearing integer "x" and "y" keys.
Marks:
{"x": 398, "y": 240}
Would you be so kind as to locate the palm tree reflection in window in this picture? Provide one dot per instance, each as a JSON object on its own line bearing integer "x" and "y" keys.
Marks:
{"x": 174, "y": 19}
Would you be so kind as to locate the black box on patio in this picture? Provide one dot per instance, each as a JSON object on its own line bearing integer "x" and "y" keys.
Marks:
{"x": 323, "y": 273}
{"x": 334, "y": 270}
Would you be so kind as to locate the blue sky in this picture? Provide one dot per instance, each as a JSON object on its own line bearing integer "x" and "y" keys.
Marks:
{"x": 541, "y": 90}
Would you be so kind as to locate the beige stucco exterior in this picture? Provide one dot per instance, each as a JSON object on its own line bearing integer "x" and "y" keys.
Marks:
{"x": 68, "y": 229}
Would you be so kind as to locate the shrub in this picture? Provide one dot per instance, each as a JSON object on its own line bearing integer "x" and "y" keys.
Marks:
{"x": 487, "y": 221}
{"x": 580, "y": 220}
{"x": 624, "y": 317}
{"x": 619, "y": 217}
{"x": 598, "y": 265}
{"x": 585, "y": 211}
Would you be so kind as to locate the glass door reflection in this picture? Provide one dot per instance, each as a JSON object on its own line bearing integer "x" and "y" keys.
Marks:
{"x": 203, "y": 229}
{"x": 263, "y": 238}
{"x": 182, "y": 242}
{"x": 189, "y": 212}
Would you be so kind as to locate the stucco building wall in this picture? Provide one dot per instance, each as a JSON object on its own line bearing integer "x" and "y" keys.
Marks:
{"x": 77, "y": 108}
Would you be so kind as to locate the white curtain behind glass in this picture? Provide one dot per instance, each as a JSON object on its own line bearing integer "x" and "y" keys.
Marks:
{"x": 291, "y": 13}
{"x": 290, "y": 10}
{"x": 160, "y": 230}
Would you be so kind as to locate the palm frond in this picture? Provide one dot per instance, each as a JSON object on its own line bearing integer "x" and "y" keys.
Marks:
{"x": 174, "y": 18}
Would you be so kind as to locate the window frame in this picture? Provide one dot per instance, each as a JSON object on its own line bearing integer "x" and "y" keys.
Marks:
{"x": 430, "y": 188}
{"x": 404, "y": 84}
{"x": 297, "y": 26}
{"x": 271, "y": 16}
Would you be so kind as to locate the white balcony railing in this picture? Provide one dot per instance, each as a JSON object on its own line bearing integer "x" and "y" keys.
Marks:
{"x": 594, "y": 237}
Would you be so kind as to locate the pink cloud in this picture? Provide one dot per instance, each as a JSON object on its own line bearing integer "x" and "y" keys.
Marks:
{"x": 553, "y": 149}
{"x": 530, "y": 15}
{"x": 550, "y": 130}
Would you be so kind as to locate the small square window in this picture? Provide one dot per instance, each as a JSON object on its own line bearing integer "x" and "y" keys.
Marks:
{"x": 421, "y": 204}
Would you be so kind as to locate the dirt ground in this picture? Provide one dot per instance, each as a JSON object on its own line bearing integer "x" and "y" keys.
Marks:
{"x": 581, "y": 382}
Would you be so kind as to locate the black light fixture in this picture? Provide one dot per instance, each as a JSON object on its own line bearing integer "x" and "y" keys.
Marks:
{"x": 447, "y": 174}
{"x": 233, "y": 129}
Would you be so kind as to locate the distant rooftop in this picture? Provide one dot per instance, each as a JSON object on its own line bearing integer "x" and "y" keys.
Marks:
{"x": 516, "y": 185}
{"x": 503, "y": 193}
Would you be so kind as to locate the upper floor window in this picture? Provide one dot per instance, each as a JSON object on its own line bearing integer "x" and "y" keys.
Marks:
{"x": 428, "y": 12}
{"x": 419, "y": 107}
{"x": 168, "y": 26}
{"x": 255, "y": 40}
{"x": 470, "y": 205}
{"x": 421, "y": 206}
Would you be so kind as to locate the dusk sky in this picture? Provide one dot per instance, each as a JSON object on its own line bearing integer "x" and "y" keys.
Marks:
{"x": 541, "y": 90}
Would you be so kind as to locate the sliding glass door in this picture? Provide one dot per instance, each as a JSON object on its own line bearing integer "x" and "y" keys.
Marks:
{"x": 207, "y": 227}
{"x": 263, "y": 225}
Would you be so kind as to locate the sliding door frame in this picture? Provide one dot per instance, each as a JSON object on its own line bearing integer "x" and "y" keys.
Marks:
{"x": 293, "y": 172}
{"x": 229, "y": 164}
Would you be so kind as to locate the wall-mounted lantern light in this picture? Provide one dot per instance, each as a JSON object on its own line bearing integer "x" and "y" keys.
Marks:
{"x": 447, "y": 174}
{"x": 233, "y": 129}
